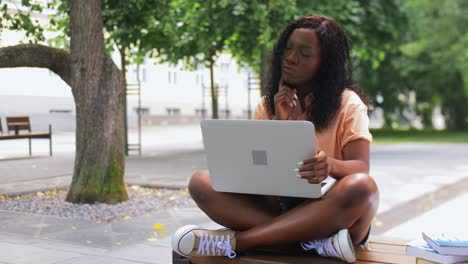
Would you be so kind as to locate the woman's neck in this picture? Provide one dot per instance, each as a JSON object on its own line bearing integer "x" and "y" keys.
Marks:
{"x": 304, "y": 90}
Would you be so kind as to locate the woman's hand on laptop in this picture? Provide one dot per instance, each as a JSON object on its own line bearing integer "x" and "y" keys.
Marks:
{"x": 287, "y": 106}
{"x": 314, "y": 169}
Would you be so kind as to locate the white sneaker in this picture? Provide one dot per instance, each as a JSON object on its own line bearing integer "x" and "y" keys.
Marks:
{"x": 192, "y": 240}
{"x": 337, "y": 246}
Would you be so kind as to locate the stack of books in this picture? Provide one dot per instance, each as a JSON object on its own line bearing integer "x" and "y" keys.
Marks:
{"x": 384, "y": 250}
{"x": 439, "y": 248}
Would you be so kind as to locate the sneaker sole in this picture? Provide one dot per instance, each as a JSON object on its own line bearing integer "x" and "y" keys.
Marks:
{"x": 180, "y": 233}
{"x": 346, "y": 246}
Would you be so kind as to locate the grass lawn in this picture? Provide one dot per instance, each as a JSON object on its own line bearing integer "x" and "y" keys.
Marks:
{"x": 433, "y": 136}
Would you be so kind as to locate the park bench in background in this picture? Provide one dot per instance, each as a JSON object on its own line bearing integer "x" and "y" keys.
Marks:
{"x": 15, "y": 127}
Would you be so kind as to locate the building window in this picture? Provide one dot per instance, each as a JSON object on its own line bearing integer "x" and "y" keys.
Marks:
{"x": 172, "y": 77}
{"x": 143, "y": 75}
{"x": 198, "y": 78}
{"x": 224, "y": 66}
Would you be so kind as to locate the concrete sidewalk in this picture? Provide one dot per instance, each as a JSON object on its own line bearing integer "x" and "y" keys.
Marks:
{"x": 419, "y": 183}
{"x": 31, "y": 238}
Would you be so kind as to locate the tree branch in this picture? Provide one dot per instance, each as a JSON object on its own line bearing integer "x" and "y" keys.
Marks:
{"x": 34, "y": 55}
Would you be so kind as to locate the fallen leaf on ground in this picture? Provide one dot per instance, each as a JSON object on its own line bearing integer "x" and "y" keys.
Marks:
{"x": 379, "y": 224}
{"x": 158, "y": 226}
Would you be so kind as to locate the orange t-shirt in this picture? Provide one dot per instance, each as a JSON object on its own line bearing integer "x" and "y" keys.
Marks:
{"x": 350, "y": 123}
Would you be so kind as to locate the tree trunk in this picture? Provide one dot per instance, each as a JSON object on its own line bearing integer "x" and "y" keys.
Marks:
{"x": 454, "y": 104}
{"x": 33, "y": 55}
{"x": 426, "y": 117}
{"x": 123, "y": 69}
{"x": 98, "y": 89}
{"x": 388, "y": 119}
{"x": 263, "y": 69}
{"x": 214, "y": 92}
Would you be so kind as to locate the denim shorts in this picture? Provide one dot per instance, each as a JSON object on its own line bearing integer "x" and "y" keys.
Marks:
{"x": 288, "y": 203}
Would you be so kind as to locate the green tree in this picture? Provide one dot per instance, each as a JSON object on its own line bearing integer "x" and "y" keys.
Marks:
{"x": 258, "y": 32}
{"x": 434, "y": 60}
{"x": 202, "y": 31}
{"x": 98, "y": 89}
{"x": 133, "y": 28}
{"x": 374, "y": 28}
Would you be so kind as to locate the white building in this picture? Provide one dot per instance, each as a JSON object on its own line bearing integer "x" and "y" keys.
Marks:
{"x": 164, "y": 88}
{"x": 171, "y": 87}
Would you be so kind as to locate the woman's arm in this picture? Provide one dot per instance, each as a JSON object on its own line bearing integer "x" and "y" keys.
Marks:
{"x": 355, "y": 159}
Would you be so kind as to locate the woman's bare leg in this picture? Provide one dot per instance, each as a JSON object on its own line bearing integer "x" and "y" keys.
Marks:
{"x": 232, "y": 210}
{"x": 352, "y": 203}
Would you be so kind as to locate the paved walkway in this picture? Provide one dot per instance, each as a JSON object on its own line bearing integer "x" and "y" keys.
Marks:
{"x": 423, "y": 186}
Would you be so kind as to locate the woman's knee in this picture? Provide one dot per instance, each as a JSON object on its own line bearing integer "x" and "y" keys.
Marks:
{"x": 200, "y": 186}
{"x": 357, "y": 190}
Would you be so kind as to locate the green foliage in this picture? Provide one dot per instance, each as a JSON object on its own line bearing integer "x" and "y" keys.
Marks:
{"x": 259, "y": 29}
{"x": 196, "y": 33}
{"x": 133, "y": 26}
{"x": 434, "y": 57}
{"x": 413, "y": 135}
{"x": 398, "y": 46}
{"x": 136, "y": 26}
{"x": 16, "y": 17}
{"x": 60, "y": 22}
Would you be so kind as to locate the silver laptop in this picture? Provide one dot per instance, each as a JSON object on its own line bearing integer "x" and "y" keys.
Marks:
{"x": 259, "y": 157}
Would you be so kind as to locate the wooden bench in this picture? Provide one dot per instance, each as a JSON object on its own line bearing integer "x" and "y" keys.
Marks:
{"x": 21, "y": 123}
{"x": 379, "y": 250}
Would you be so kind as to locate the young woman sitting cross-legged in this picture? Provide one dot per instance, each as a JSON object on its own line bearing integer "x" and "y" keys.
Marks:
{"x": 310, "y": 79}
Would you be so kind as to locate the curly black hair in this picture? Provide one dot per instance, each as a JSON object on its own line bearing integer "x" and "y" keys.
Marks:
{"x": 333, "y": 76}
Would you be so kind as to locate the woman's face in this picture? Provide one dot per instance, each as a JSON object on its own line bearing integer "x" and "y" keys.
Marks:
{"x": 301, "y": 59}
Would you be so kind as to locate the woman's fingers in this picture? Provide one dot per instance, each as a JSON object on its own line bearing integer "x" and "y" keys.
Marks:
{"x": 321, "y": 156}
{"x": 313, "y": 172}
{"x": 316, "y": 170}
{"x": 313, "y": 165}
{"x": 287, "y": 96}
{"x": 314, "y": 178}
{"x": 287, "y": 105}
{"x": 290, "y": 93}
{"x": 317, "y": 180}
{"x": 284, "y": 100}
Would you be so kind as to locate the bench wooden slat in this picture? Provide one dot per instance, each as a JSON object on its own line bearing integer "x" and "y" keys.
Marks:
{"x": 18, "y": 119}
{"x": 25, "y": 135}
{"x": 14, "y": 126}
{"x": 385, "y": 250}
{"x": 19, "y": 123}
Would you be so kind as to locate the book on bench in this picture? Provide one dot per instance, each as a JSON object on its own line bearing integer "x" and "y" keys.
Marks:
{"x": 448, "y": 244}
{"x": 421, "y": 249}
